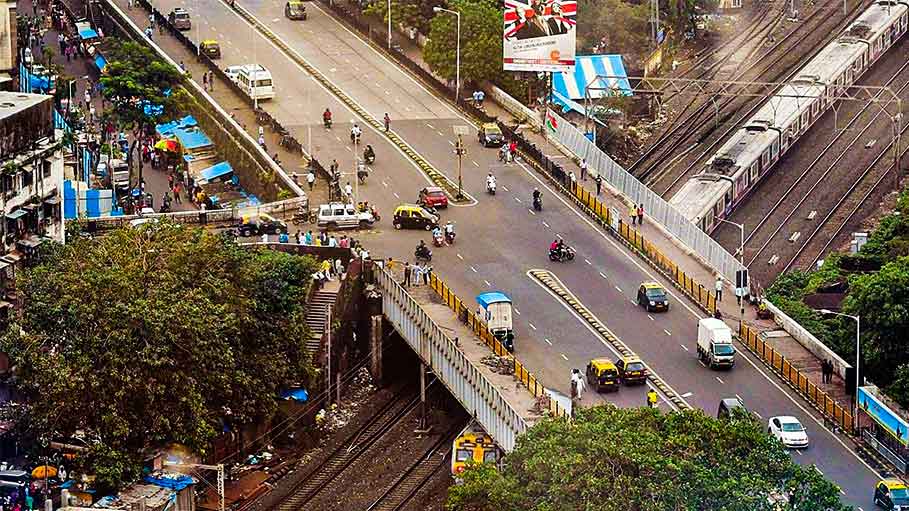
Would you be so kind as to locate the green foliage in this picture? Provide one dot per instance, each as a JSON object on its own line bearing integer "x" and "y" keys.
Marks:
{"x": 481, "y": 41}
{"x": 410, "y": 13}
{"x": 899, "y": 389}
{"x": 135, "y": 75}
{"x": 619, "y": 459}
{"x": 828, "y": 273}
{"x": 157, "y": 334}
{"x": 788, "y": 285}
{"x": 623, "y": 25}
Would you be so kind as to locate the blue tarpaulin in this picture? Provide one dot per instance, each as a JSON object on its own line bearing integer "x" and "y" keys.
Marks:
{"x": 494, "y": 297}
{"x": 297, "y": 394}
{"x": 100, "y": 63}
{"x": 568, "y": 88}
{"x": 174, "y": 481}
{"x": 87, "y": 33}
{"x": 167, "y": 128}
{"x": 187, "y": 132}
{"x": 216, "y": 171}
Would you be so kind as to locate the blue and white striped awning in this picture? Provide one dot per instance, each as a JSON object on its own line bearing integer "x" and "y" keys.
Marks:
{"x": 568, "y": 88}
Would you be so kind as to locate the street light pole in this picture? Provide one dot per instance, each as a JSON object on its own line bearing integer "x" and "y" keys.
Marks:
{"x": 389, "y": 23}
{"x": 457, "y": 51}
{"x": 858, "y": 358}
{"x": 742, "y": 259}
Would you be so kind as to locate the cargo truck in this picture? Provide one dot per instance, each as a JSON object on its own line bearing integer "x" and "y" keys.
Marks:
{"x": 715, "y": 347}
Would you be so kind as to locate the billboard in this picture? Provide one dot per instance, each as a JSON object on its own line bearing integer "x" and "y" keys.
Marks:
{"x": 539, "y": 35}
{"x": 883, "y": 415}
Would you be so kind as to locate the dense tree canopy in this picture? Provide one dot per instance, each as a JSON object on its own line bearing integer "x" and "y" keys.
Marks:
{"x": 157, "y": 334}
{"x": 481, "y": 41}
{"x": 639, "y": 459}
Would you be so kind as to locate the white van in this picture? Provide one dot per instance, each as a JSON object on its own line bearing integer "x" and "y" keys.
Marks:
{"x": 254, "y": 79}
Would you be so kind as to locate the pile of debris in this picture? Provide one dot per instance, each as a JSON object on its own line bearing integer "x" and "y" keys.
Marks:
{"x": 501, "y": 365}
{"x": 336, "y": 417}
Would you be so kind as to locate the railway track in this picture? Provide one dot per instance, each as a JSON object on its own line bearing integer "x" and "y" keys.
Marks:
{"x": 409, "y": 484}
{"x": 696, "y": 130}
{"x": 810, "y": 188}
{"x": 343, "y": 456}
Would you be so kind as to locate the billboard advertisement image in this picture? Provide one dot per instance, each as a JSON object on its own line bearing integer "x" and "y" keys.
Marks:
{"x": 539, "y": 35}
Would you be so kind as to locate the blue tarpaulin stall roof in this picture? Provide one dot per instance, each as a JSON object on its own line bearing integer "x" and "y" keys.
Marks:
{"x": 170, "y": 480}
{"x": 297, "y": 394}
{"x": 167, "y": 128}
{"x": 87, "y": 33}
{"x": 187, "y": 132}
{"x": 486, "y": 299}
{"x": 216, "y": 171}
{"x": 100, "y": 63}
{"x": 568, "y": 88}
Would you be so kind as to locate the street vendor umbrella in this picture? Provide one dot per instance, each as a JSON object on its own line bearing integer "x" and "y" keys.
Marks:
{"x": 168, "y": 144}
{"x": 43, "y": 472}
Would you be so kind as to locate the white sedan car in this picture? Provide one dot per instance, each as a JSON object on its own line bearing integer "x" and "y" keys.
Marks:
{"x": 789, "y": 431}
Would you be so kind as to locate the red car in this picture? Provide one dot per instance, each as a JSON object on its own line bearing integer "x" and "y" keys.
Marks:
{"x": 434, "y": 197}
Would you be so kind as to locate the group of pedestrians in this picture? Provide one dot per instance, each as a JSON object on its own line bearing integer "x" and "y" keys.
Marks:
{"x": 415, "y": 273}
{"x": 323, "y": 239}
{"x": 508, "y": 152}
{"x": 637, "y": 214}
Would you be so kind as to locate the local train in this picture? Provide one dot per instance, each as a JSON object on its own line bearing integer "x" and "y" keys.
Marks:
{"x": 752, "y": 151}
{"x": 473, "y": 444}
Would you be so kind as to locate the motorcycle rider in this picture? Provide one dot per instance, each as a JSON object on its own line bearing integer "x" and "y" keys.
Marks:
{"x": 449, "y": 232}
{"x": 554, "y": 245}
{"x": 537, "y": 197}
{"x": 368, "y": 154}
{"x": 326, "y": 118}
{"x": 355, "y": 133}
{"x": 490, "y": 182}
{"x": 422, "y": 250}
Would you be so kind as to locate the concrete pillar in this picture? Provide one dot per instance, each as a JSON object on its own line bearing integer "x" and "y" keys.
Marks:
{"x": 422, "y": 396}
{"x": 375, "y": 348}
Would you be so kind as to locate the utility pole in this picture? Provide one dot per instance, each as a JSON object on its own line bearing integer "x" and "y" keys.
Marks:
{"x": 328, "y": 362}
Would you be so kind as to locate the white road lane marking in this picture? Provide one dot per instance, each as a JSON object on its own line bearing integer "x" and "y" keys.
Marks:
{"x": 430, "y": 126}
{"x": 460, "y": 257}
{"x": 487, "y": 283}
{"x": 588, "y": 261}
{"x": 505, "y": 188}
{"x": 667, "y": 332}
{"x": 815, "y": 466}
{"x": 531, "y": 211}
{"x": 473, "y": 269}
{"x": 720, "y": 380}
{"x": 547, "y": 225}
{"x": 563, "y": 356}
{"x": 531, "y": 325}
{"x": 603, "y": 275}
{"x": 516, "y": 311}
{"x": 396, "y": 195}
{"x": 384, "y": 184}
{"x": 440, "y": 133}
{"x": 548, "y": 341}
{"x": 617, "y": 288}
{"x": 684, "y": 347}
{"x": 651, "y": 317}
{"x": 517, "y": 199}
{"x": 475, "y": 164}
{"x": 687, "y": 394}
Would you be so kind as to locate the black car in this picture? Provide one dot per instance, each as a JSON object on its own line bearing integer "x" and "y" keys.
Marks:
{"x": 490, "y": 135}
{"x": 652, "y": 297}
{"x": 260, "y": 224}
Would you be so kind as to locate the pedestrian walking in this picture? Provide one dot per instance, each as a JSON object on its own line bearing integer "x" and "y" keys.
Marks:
{"x": 513, "y": 150}
{"x": 261, "y": 132}
{"x": 641, "y": 214}
{"x": 348, "y": 190}
{"x": 148, "y": 33}
{"x": 417, "y": 270}
{"x": 651, "y": 399}
{"x": 572, "y": 179}
{"x": 88, "y": 97}
{"x": 311, "y": 179}
{"x": 262, "y": 142}
{"x": 427, "y": 269}
{"x": 633, "y": 213}
{"x": 129, "y": 4}
{"x": 718, "y": 287}
{"x": 406, "y": 274}
{"x": 211, "y": 81}
{"x": 599, "y": 182}
{"x": 204, "y": 81}
{"x": 61, "y": 40}
{"x": 387, "y": 121}
{"x": 182, "y": 66}
{"x": 307, "y": 239}
{"x": 583, "y": 169}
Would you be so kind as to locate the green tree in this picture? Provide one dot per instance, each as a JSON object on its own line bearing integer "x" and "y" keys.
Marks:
{"x": 155, "y": 335}
{"x": 623, "y": 26}
{"x": 481, "y": 41}
{"x": 639, "y": 459}
{"x": 410, "y": 13}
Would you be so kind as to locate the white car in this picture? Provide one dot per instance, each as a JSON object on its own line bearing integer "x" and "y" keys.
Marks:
{"x": 232, "y": 72}
{"x": 337, "y": 215}
{"x": 789, "y": 431}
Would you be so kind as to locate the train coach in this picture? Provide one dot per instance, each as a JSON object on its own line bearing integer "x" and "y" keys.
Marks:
{"x": 733, "y": 171}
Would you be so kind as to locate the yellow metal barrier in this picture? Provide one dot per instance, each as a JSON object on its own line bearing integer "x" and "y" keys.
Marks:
{"x": 830, "y": 408}
{"x": 479, "y": 328}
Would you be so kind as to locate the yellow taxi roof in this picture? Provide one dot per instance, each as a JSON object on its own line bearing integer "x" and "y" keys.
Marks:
{"x": 893, "y": 484}
{"x": 631, "y": 358}
{"x": 602, "y": 363}
{"x": 209, "y": 42}
{"x": 402, "y": 207}
{"x": 491, "y": 126}
{"x": 652, "y": 285}
{"x": 295, "y": 3}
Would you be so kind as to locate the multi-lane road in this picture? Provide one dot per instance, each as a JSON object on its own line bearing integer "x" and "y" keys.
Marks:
{"x": 500, "y": 238}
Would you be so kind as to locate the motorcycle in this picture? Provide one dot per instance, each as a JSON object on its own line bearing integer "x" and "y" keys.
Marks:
{"x": 491, "y": 187}
{"x": 538, "y": 203}
{"x": 437, "y": 239}
{"x": 362, "y": 173}
{"x": 449, "y": 237}
{"x": 354, "y": 138}
{"x": 423, "y": 254}
{"x": 326, "y": 121}
{"x": 369, "y": 158}
{"x": 560, "y": 256}
{"x": 302, "y": 216}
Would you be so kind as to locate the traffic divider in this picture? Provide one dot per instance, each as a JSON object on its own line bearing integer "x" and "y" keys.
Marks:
{"x": 790, "y": 374}
{"x": 441, "y": 180}
{"x": 552, "y": 283}
{"x": 472, "y": 320}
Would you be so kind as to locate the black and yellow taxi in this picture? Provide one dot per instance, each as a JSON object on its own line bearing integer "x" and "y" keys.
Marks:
{"x": 414, "y": 216}
{"x": 602, "y": 375}
{"x": 652, "y": 297}
{"x": 211, "y": 49}
{"x": 295, "y": 10}
{"x": 631, "y": 370}
{"x": 490, "y": 135}
{"x": 892, "y": 494}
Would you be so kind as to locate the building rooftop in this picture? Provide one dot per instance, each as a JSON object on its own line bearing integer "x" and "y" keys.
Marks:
{"x": 14, "y": 102}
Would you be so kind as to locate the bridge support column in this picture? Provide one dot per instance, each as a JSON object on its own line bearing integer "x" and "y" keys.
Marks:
{"x": 375, "y": 347}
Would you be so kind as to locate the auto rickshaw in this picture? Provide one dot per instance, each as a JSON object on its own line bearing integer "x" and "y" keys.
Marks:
{"x": 295, "y": 10}
{"x": 211, "y": 49}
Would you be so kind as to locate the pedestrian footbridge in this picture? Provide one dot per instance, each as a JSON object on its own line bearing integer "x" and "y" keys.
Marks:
{"x": 503, "y": 396}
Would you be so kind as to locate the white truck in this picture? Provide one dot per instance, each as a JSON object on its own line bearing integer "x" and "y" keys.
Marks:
{"x": 715, "y": 347}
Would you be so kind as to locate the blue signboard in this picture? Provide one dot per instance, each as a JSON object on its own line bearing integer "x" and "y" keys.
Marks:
{"x": 884, "y": 416}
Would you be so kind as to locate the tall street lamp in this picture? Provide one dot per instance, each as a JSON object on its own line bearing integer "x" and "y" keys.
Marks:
{"x": 858, "y": 358}
{"x": 457, "y": 52}
{"x": 389, "y": 23}
{"x": 742, "y": 258}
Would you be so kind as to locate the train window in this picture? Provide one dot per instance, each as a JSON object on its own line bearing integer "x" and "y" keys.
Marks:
{"x": 754, "y": 171}
{"x": 740, "y": 184}
{"x": 490, "y": 456}
{"x": 806, "y": 119}
{"x": 775, "y": 148}
{"x": 765, "y": 159}
{"x": 463, "y": 455}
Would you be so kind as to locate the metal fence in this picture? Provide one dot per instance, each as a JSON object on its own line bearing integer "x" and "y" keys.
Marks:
{"x": 831, "y": 410}
{"x": 470, "y": 318}
{"x": 599, "y": 163}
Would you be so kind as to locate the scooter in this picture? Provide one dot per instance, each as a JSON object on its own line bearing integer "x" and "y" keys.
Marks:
{"x": 449, "y": 237}
{"x": 538, "y": 203}
{"x": 423, "y": 255}
{"x": 369, "y": 158}
{"x": 491, "y": 187}
{"x": 560, "y": 256}
{"x": 438, "y": 240}
{"x": 326, "y": 122}
{"x": 354, "y": 138}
